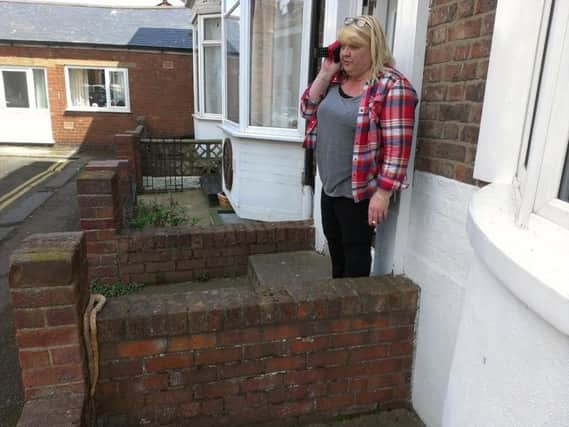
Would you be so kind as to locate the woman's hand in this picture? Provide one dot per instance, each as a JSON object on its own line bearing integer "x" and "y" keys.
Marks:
{"x": 322, "y": 80}
{"x": 378, "y": 207}
{"x": 329, "y": 68}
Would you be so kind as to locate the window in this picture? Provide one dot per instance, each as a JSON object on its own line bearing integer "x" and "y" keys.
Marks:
{"x": 276, "y": 37}
{"x": 232, "y": 48}
{"x": 545, "y": 174}
{"x": 23, "y": 88}
{"x": 207, "y": 65}
{"x": 97, "y": 89}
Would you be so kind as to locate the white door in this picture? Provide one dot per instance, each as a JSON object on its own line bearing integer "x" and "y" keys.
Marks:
{"x": 24, "y": 106}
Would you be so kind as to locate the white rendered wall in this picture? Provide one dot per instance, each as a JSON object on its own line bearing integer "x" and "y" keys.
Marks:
{"x": 207, "y": 128}
{"x": 438, "y": 260}
{"x": 511, "y": 367}
{"x": 267, "y": 181}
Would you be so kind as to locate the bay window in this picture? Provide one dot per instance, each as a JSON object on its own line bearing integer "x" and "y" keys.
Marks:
{"x": 266, "y": 53}
{"x": 97, "y": 89}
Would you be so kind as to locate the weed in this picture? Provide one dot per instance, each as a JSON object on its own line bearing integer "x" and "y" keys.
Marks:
{"x": 116, "y": 289}
{"x": 201, "y": 277}
{"x": 155, "y": 215}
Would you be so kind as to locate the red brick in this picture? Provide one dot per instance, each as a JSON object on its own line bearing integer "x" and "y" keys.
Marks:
{"x": 192, "y": 342}
{"x": 121, "y": 368}
{"x": 310, "y": 344}
{"x": 43, "y": 297}
{"x": 33, "y": 359}
{"x": 368, "y": 353}
{"x": 28, "y": 318}
{"x": 264, "y": 382}
{"x": 378, "y": 396}
{"x": 349, "y": 340}
{"x": 401, "y": 348}
{"x": 256, "y": 351}
{"x": 285, "y": 363}
{"x": 245, "y": 368}
{"x": 304, "y": 377}
{"x": 328, "y": 358}
{"x": 66, "y": 355}
{"x": 334, "y": 402}
{"x": 141, "y": 348}
{"x": 375, "y": 382}
{"x": 62, "y": 316}
{"x": 64, "y": 335}
{"x": 211, "y": 407}
{"x": 239, "y": 336}
{"x": 172, "y": 361}
{"x": 280, "y": 332}
{"x": 217, "y": 389}
{"x": 51, "y": 375}
{"x": 211, "y": 357}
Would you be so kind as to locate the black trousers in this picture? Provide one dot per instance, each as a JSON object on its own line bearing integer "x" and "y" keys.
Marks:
{"x": 349, "y": 235}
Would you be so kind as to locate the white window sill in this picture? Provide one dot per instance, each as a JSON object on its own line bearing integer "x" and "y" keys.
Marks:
{"x": 207, "y": 117}
{"x": 257, "y": 133}
{"x": 96, "y": 110}
{"x": 532, "y": 263}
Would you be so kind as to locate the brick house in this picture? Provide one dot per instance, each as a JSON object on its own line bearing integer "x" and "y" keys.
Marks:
{"x": 483, "y": 227}
{"x": 83, "y": 74}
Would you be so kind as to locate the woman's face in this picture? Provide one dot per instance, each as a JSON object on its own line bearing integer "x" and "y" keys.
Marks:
{"x": 355, "y": 60}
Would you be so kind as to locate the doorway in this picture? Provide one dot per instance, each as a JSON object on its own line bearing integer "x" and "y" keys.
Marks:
{"x": 24, "y": 106}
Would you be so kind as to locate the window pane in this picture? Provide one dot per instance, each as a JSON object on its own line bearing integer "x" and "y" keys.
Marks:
{"x": 212, "y": 29}
{"x": 118, "y": 89}
{"x": 232, "y": 78}
{"x": 87, "y": 88}
{"x": 212, "y": 79}
{"x": 564, "y": 187}
{"x": 40, "y": 88}
{"x": 16, "y": 89}
{"x": 276, "y": 35}
{"x": 229, "y": 4}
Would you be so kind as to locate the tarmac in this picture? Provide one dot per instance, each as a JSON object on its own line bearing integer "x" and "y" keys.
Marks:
{"x": 45, "y": 201}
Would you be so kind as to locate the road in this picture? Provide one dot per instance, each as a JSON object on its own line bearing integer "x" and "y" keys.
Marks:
{"x": 48, "y": 204}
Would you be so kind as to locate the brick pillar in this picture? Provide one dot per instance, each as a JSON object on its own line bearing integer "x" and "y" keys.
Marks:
{"x": 100, "y": 208}
{"x": 127, "y": 148}
{"x": 49, "y": 291}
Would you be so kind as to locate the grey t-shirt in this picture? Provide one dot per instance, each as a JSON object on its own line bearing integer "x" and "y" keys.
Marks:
{"x": 337, "y": 117}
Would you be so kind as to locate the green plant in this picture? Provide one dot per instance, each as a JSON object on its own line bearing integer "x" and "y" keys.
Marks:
{"x": 201, "y": 277}
{"x": 116, "y": 289}
{"x": 156, "y": 215}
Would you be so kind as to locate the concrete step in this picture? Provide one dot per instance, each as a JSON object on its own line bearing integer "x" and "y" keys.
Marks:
{"x": 279, "y": 270}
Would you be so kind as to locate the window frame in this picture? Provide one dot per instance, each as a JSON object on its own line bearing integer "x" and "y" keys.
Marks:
{"x": 107, "y": 71}
{"x": 243, "y": 128}
{"x": 200, "y": 63}
{"x": 546, "y": 123}
{"x": 30, "y": 81}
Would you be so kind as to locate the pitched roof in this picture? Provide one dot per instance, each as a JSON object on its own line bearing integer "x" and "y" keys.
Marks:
{"x": 156, "y": 28}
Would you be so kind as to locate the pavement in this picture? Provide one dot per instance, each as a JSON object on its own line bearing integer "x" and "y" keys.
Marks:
{"x": 45, "y": 201}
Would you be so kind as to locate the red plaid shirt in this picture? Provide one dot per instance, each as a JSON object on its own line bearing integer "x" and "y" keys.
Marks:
{"x": 384, "y": 132}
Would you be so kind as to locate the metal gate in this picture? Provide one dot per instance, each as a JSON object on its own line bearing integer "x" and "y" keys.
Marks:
{"x": 166, "y": 162}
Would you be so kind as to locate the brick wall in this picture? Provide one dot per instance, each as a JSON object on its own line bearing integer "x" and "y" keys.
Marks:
{"x": 171, "y": 254}
{"x": 458, "y": 47}
{"x": 240, "y": 356}
{"x": 49, "y": 291}
{"x": 161, "y": 90}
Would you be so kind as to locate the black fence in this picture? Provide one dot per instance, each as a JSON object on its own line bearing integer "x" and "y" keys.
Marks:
{"x": 167, "y": 162}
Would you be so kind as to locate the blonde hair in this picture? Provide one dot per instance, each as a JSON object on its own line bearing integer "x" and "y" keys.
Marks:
{"x": 371, "y": 35}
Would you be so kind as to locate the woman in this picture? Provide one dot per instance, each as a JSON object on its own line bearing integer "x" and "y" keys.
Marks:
{"x": 361, "y": 113}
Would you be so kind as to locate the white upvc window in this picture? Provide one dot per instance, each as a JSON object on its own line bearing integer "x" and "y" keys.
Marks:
{"x": 265, "y": 60}
{"x": 97, "y": 89}
{"x": 543, "y": 166}
{"x": 23, "y": 89}
{"x": 207, "y": 57}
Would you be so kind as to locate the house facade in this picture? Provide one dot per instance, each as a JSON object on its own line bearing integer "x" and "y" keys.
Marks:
{"x": 483, "y": 229}
{"x": 83, "y": 74}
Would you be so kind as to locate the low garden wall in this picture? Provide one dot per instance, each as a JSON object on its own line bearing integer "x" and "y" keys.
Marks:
{"x": 241, "y": 356}
{"x": 175, "y": 254}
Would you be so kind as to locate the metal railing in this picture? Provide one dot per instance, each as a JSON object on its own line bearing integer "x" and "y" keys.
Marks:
{"x": 167, "y": 162}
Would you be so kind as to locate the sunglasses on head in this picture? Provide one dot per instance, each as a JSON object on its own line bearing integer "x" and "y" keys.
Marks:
{"x": 358, "y": 22}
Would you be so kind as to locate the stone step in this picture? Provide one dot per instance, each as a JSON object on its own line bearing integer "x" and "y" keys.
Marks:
{"x": 279, "y": 270}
